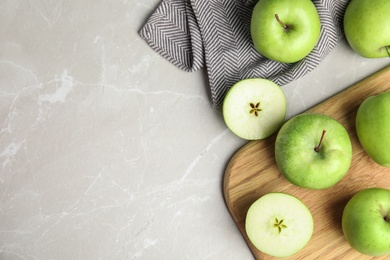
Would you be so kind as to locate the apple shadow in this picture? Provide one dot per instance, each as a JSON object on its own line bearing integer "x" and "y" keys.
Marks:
{"x": 335, "y": 210}
{"x": 269, "y": 144}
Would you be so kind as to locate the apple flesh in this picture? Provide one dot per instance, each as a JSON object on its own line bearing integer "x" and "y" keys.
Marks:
{"x": 254, "y": 108}
{"x": 373, "y": 127}
{"x": 366, "y": 221}
{"x": 366, "y": 27}
{"x": 279, "y": 224}
{"x": 309, "y": 157}
{"x": 284, "y": 30}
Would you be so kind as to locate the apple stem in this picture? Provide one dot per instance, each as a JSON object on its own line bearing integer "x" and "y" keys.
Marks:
{"x": 281, "y": 23}
{"x": 318, "y": 148}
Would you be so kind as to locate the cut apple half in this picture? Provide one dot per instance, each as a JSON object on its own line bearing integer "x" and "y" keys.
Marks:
{"x": 254, "y": 109}
{"x": 279, "y": 224}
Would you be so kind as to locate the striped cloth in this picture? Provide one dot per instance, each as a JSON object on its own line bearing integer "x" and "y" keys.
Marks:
{"x": 215, "y": 34}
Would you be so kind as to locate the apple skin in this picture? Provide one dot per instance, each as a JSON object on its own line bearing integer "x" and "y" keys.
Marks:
{"x": 364, "y": 221}
{"x": 273, "y": 41}
{"x": 373, "y": 127}
{"x": 263, "y": 216}
{"x": 366, "y": 27}
{"x": 300, "y": 163}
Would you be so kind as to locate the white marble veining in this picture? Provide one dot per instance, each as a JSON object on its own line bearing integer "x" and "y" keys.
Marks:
{"x": 108, "y": 151}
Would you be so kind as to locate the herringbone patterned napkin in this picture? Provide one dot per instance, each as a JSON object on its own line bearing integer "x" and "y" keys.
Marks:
{"x": 215, "y": 34}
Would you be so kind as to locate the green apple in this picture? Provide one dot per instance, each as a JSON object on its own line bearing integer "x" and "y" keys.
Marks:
{"x": 254, "y": 108}
{"x": 373, "y": 127}
{"x": 366, "y": 27}
{"x": 284, "y": 30}
{"x": 313, "y": 151}
{"x": 279, "y": 224}
{"x": 366, "y": 221}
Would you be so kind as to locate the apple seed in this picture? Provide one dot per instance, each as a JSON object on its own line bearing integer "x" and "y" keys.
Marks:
{"x": 279, "y": 224}
{"x": 255, "y": 108}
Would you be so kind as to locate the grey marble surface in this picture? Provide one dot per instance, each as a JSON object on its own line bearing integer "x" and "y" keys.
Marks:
{"x": 108, "y": 151}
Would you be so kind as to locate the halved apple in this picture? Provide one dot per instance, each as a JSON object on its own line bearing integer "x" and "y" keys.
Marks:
{"x": 279, "y": 224}
{"x": 254, "y": 109}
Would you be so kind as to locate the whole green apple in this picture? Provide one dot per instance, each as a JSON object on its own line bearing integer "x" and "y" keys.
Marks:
{"x": 313, "y": 151}
{"x": 254, "y": 109}
{"x": 366, "y": 27}
{"x": 373, "y": 127}
{"x": 284, "y": 30}
{"x": 279, "y": 224}
{"x": 366, "y": 221}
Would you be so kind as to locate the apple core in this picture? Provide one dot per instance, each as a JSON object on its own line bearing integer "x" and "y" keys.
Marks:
{"x": 255, "y": 109}
{"x": 279, "y": 225}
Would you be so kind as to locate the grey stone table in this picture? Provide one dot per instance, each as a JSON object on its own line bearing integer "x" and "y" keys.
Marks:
{"x": 108, "y": 151}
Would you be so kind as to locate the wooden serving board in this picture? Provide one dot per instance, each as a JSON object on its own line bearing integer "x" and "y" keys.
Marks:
{"x": 252, "y": 172}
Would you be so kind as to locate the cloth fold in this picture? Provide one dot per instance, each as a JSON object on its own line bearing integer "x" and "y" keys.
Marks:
{"x": 215, "y": 34}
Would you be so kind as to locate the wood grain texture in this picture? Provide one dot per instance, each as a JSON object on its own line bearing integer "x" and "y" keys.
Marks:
{"x": 252, "y": 172}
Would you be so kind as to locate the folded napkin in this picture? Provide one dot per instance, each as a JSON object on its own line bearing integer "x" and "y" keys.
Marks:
{"x": 215, "y": 34}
